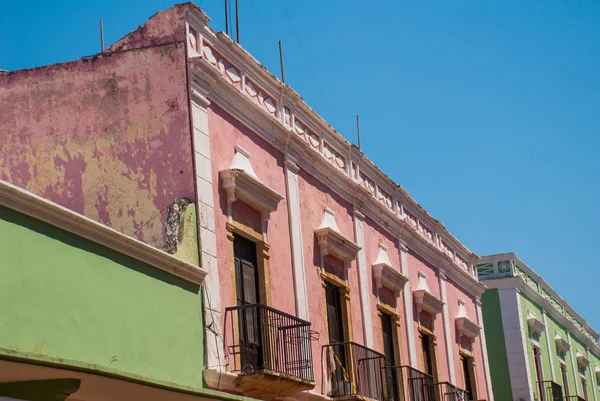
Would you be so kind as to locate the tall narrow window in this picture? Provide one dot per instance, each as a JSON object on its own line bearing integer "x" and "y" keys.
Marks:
{"x": 565, "y": 379}
{"x": 341, "y": 382}
{"x": 390, "y": 359}
{"x": 247, "y": 293}
{"x": 426, "y": 348}
{"x": 538, "y": 373}
{"x": 584, "y": 387}
{"x": 469, "y": 377}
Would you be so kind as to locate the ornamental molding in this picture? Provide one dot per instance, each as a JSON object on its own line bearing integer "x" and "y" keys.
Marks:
{"x": 241, "y": 183}
{"x": 332, "y": 242}
{"x": 535, "y": 287}
{"x": 252, "y": 95}
{"x": 465, "y": 326}
{"x": 597, "y": 373}
{"x": 582, "y": 361}
{"x": 25, "y": 202}
{"x": 536, "y": 326}
{"x": 562, "y": 345}
{"x": 425, "y": 300}
{"x": 385, "y": 275}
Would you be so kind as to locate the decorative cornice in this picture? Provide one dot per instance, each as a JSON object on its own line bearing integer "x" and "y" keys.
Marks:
{"x": 535, "y": 286}
{"x": 582, "y": 361}
{"x": 535, "y": 325}
{"x": 241, "y": 183}
{"x": 424, "y": 299}
{"x": 238, "y": 83}
{"x": 42, "y": 209}
{"x": 333, "y": 243}
{"x": 385, "y": 275}
{"x": 562, "y": 345}
{"x": 465, "y": 326}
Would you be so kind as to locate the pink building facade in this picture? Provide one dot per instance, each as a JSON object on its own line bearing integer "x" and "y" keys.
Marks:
{"x": 325, "y": 278}
{"x": 337, "y": 244}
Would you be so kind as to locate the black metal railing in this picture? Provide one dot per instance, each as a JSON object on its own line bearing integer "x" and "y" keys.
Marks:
{"x": 448, "y": 392}
{"x": 549, "y": 391}
{"x": 262, "y": 339}
{"x": 574, "y": 398}
{"x": 352, "y": 369}
{"x": 414, "y": 384}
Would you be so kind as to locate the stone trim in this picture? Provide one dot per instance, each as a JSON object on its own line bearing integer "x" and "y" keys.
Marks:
{"x": 37, "y": 207}
{"x": 385, "y": 275}
{"x": 279, "y": 115}
{"x": 363, "y": 279}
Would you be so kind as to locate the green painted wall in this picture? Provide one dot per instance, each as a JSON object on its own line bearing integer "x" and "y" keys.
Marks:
{"x": 496, "y": 347}
{"x": 68, "y": 300}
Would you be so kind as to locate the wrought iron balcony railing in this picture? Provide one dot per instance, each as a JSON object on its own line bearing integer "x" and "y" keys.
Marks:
{"x": 265, "y": 340}
{"x": 353, "y": 370}
{"x": 549, "y": 391}
{"x": 414, "y": 385}
{"x": 448, "y": 392}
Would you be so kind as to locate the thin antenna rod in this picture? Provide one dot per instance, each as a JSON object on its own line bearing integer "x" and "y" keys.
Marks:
{"x": 281, "y": 62}
{"x": 226, "y": 17}
{"x": 101, "y": 35}
{"x": 358, "y": 131}
{"x": 237, "y": 21}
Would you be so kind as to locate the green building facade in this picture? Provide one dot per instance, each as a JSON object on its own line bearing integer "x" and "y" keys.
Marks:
{"x": 539, "y": 348}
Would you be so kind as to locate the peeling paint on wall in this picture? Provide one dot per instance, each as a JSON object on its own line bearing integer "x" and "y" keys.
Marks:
{"x": 107, "y": 137}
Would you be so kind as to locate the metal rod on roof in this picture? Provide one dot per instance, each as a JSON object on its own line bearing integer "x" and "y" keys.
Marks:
{"x": 358, "y": 131}
{"x": 227, "y": 17}
{"x": 281, "y": 62}
{"x": 237, "y": 21}
{"x": 101, "y": 36}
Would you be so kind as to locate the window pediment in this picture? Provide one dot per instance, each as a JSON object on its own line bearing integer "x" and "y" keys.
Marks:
{"x": 385, "y": 275}
{"x": 597, "y": 373}
{"x": 332, "y": 242}
{"x": 582, "y": 361}
{"x": 241, "y": 183}
{"x": 535, "y": 325}
{"x": 465, "y": 326}
{"x": 561, "y": 344}
{"x": 425, "y": 300}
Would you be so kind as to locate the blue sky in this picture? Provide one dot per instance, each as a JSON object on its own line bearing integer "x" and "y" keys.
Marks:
{"x": 487, "y": 112}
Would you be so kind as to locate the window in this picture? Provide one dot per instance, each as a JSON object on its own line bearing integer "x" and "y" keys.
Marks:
{"x": 469, "y": 377}
{"x": 538, "y": 372}
{"x": 341, "y": 381}
{"x": 390, "y": 359}
{"x": 565, "y": 379}
{"x": 584, "y": 387}
{"x": 428, "y": 352}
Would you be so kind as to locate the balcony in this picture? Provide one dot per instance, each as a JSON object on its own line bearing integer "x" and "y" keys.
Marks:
{"x": 549, "y": 391}
{"x": 353, "y": 371}
{"x": 574, "y": 398}
{"x": 269, "y": 350}
{"x": 414, "y": 384}
{"x": 448, "y": 392}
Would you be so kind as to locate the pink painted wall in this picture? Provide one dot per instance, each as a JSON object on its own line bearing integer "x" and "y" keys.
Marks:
{"x": 454, "y": 293}
{"x": 373, "y": 236}
{"x": 226, "y": 133}
{"x": 107, "y": 137}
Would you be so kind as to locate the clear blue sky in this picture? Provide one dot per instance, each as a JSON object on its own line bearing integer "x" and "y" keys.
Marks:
{"x": 487, "y": 112}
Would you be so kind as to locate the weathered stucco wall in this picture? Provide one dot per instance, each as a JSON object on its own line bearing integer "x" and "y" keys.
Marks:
{"x": 73, "y": 302}
{"x": 107, "y": 137}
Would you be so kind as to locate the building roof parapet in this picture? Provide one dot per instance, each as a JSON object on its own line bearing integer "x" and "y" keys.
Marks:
{"x": 285, "y": 106}
{"x": 508, "y": 265}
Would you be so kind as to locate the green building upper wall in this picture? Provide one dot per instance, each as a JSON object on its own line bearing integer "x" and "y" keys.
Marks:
{"x": 558, "y": 321}
{"x": 70, "y": 301}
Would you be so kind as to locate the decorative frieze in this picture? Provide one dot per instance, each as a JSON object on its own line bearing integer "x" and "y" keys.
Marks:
{"x": 242, "y": 71}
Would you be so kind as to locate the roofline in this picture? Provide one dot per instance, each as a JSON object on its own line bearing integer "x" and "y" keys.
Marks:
{"x": 25, "y": 202}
